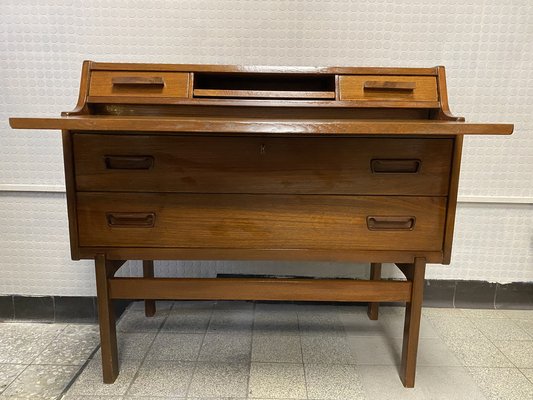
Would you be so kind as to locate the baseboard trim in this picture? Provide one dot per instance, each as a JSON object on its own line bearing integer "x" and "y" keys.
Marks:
{"x": 437, "y": 293}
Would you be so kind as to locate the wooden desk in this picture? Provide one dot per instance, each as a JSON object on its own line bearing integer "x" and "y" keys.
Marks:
{"x": 261, "y": 163}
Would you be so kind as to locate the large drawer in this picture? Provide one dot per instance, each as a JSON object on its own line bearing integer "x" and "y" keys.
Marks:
{"x": 261, "y": 221}
{"x": 388, "y": 88}
{"x": 144, "y": 84}
{"x": 276, "y": 165}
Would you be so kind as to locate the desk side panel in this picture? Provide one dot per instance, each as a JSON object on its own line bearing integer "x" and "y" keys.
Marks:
{"x": 70, "y": 181}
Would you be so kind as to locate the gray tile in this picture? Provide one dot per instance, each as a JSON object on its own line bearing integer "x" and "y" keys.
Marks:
{"x": 134, "y": 321}
{"x": 186, "y": 320}
{"x": 132, "y": 346}
{"x": 435, "y": 383}
{"x": 71, "y": 347}
{"x": 455, "y": 328}
{"x": 478, "y": 352}
{"x": 235, "y": 322}
{"x": 519, "y": 352}
{"x": 234, "y": 305}
{"x": 162, "y": 378}
{"x": 528, "y": 372}
{"x": 276, "y": 320}
{"x": 333, "y": 382}
{"x": 276, "y": 348}
{"x": 323, "y": 321}
{"x": 193, "y": 305}
{"x": 502, "y": 383}
{"x": 480, "y": 313}
{"x": 41, "y": 382}
{"x": 219, "y": 379}
{"x": 358, "y": 324}
{"x": 160, "y": 305}
{"x": 89, "y": 382}
{"x": 327, "y": 349}
{"x": 277, "y": 380}
{"x": 526, "y": 325}
{"x": 518, "y": 314}
{"x": 176, "y": 346}
{"x": 80, "y": 397}
{"x": 500, "y": 329}
{"x": 21, "y": 343}
{"x": 8, "y": 373}
{"x": 393, "y": 327}
{"x": 430, "y": 312}
{"x": 223, "y": 347}
{"x": 387, "y": 351}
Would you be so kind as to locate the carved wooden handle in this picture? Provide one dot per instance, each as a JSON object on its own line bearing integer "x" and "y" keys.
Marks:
{"x": 128, "y": 162}
{"x": 383, "y": 223}
{"x": 138, "y": 80}
{"x": 389, "y": 85}
{"x": 130, "y": 220}
{"x": 395, "y": 166}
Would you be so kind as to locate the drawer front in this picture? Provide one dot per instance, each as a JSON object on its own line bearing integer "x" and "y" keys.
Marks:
{"x": 261, "y": 221}
{"x": 145, "y": 84}
{"x": 383, "y": 88}
{"x": 262, "y": 165}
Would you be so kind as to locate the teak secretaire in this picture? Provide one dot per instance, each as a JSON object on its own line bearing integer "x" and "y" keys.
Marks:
{"x": 261, "y": 163}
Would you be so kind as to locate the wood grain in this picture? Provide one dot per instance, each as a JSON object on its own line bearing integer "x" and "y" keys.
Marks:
{"x": 261, "y": 221}
{"x": 261, "y": 165}
{"x": 353, "y": 87}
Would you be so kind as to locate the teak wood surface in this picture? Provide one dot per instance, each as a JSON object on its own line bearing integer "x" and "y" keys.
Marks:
{"x": 261, "y": 163}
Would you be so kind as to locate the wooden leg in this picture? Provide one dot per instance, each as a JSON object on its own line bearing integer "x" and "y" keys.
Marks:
{"x": 375, "y": 275}
{"x": 106, "y": 316}
{"x": 415, "y": 273}
{"x": 148, "y": 272}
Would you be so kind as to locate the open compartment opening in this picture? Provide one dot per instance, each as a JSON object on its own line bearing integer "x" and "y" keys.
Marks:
{"x": 261, "y": 86}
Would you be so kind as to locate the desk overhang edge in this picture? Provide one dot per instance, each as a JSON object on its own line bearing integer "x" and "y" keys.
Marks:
{"x": 262, "y": 126}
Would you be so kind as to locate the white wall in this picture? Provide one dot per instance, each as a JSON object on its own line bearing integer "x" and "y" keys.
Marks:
{"x": 486, "y": 46}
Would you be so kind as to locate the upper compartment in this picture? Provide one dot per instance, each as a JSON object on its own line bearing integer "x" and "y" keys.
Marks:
{"x": 263, "y": 86}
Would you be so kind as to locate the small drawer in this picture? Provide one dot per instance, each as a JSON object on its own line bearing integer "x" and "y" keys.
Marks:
{"x": 145, "y": 84}
{"x": 261, "y": 221}
{"x": 383, "y": 88}
{"x": 188, "y": 164}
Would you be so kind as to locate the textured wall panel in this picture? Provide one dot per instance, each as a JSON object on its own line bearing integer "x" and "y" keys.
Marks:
{"x": 486, "y": 45}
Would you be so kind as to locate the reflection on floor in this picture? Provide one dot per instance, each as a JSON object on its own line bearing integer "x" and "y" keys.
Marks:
{"x": 245, "y": 350}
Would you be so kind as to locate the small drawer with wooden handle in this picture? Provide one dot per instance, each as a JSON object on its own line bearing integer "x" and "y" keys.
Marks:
{"x": 151, "y": 163}
{"x": 134, "y": 84}
{"x": 385, "y": 88}
{"x": 261, "y": 221}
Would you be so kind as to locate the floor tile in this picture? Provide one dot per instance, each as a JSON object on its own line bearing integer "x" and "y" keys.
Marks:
{"x": 79, "y": 397}
{"x": 500, "y": 329}
{"x": 277, "y": 381}
{"x": 176, "y": 347}
{"x": 518, "y": 314}
{"x": 333, "y": 382}
{"x": 132, "y": 346}
{"x": 431, "y": 312}
{"x": 134, "y": 321}
{"x": 234, "y": 305}
{"x": 89, "y": 382}
{"x": 21, "y": 343}
{"x": 193, "y": 305}
{"x": 358, "y": 324}
{"x": 71, "y": 347}
{"x": 455, "y": 328}
{"x": 159, "y": 306}
{"x": 528, "y": 372}
{"x": 327, "y": 349}
{"x": 526, "y": 325}
{"x": 187, "y": 320}
{"x": 41, "y": 382}
{"x": 480, "y": 313}
{"x": 519, "y": 352}
{"x": 274, "y": 347}
{"x": 479, "y": 352}
{"x": 432, "y": 383}
{"x": 219, "y": 379}
{"x": 224, "y": 347}
{"x": 275, "y": 321}
{"x": 162, "y": 378}
{"x": 322, "y": 322}
{"x": 229, "y": 321}
{"x": 502, "y": 383}
{"x": 393, "y": 327}
{"x": 8, "y": 373}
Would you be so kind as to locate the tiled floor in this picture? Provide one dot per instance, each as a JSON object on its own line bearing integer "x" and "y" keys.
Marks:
{"x": 239, "y": 350}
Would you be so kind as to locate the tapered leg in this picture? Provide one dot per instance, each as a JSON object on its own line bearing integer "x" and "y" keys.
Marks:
{"x": 415, "y": 273}
{"x": 375, "y": 275}
{"x": 148, "y": 272}
{"x": 106, "y": 316}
